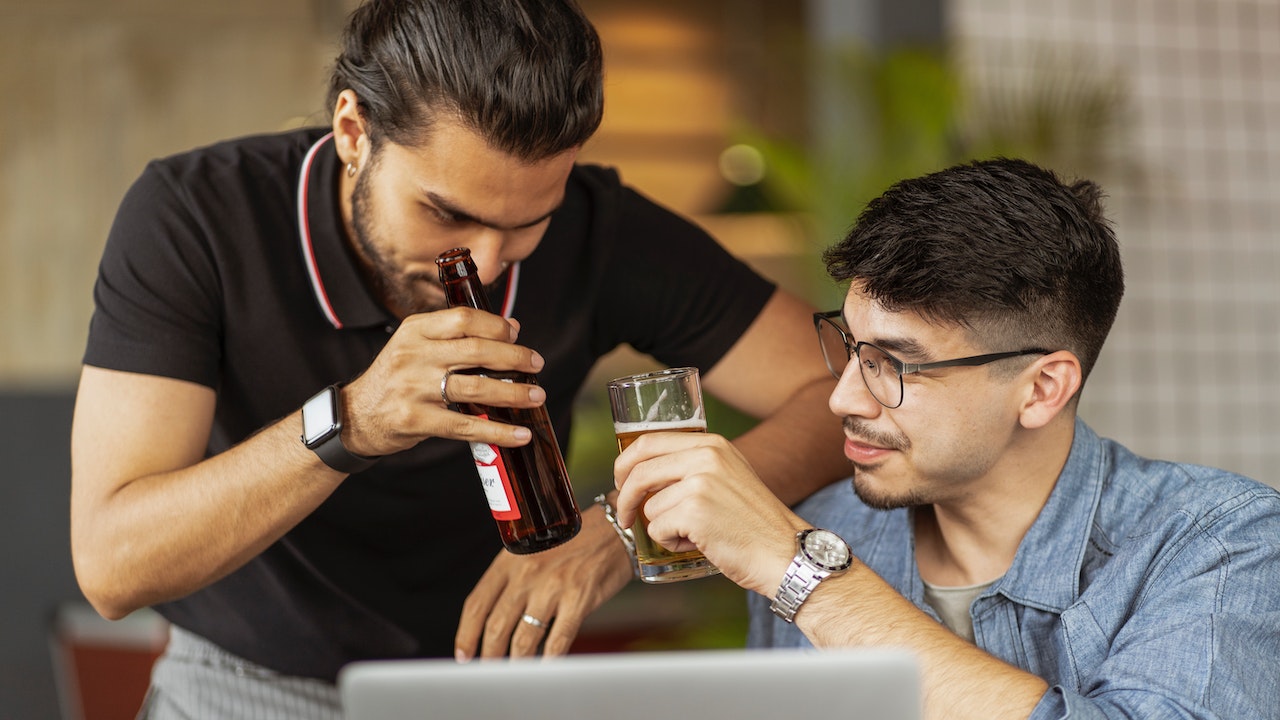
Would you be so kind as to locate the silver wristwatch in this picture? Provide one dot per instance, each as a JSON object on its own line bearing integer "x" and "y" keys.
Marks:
{"x": 819, "y": 555}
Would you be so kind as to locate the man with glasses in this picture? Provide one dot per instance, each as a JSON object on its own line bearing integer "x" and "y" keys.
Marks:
{"x": 1036, "y": 569}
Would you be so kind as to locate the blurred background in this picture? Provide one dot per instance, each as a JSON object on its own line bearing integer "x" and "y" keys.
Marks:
{"x": 769, "y": 122}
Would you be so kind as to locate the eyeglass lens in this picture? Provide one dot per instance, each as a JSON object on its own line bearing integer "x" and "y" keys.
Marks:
{"x": 834, "y": 349}
{"x": 877, "y": 368}
{"x": 878, "y": 372}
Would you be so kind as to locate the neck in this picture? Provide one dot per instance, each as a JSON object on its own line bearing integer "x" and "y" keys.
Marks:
{"x": 973, "y": 538}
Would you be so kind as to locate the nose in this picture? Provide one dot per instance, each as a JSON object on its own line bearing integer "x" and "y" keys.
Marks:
{"x": 486, "y": 250}
{"x": 852, "y": 397}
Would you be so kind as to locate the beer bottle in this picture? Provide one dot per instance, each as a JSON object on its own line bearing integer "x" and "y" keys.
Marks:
{"x": 527, "y": 487}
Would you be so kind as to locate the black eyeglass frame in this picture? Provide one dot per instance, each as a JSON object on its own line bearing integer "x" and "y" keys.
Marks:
{"x": 852, "y": 348}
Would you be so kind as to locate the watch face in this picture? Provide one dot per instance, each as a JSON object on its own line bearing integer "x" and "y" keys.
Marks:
{"x": 319, "y": 418}
{"x": 827, "y": 550}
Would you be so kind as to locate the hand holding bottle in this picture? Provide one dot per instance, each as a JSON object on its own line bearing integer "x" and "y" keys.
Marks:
{"x": 397, "y": 402}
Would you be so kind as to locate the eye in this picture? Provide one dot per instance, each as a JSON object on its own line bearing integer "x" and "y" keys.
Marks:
{"x": 443, "y": 217}
{"x": 875, "y": 362}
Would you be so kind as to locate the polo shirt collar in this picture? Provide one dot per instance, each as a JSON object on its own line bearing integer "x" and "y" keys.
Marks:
{"x": 1046, "y": 569}
{"x": 340, "y": 291}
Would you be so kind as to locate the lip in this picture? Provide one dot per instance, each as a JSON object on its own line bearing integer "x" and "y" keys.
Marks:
{"x": 860, "y": 452}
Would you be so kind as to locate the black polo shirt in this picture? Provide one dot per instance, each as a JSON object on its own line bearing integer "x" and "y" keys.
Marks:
{"x": 228, "y": 266}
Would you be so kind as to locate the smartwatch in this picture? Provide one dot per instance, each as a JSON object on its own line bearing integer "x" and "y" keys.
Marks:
{"x": 322, "y": 432}
{"x": 819, "y": 555}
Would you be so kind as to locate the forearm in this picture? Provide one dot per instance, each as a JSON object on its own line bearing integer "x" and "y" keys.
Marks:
{"x": 164, "y": 535}
{"x": 959, "y": 680}
{"x": 798, "y": 449}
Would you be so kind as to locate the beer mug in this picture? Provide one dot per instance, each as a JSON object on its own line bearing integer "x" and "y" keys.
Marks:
{"x": 662, "y": 401}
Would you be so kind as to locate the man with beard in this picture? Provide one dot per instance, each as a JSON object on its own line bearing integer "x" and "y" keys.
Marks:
{"x": 1035, "y": 569}
{"x": 243, "y": 279}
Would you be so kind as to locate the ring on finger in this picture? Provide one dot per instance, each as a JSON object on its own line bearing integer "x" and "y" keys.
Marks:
{"x": 531, "y": 620}
{"x": 444, "y": 386}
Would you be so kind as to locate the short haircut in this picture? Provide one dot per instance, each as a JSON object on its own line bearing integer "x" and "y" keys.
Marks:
{"x": 526, "y": 75}
{"x": 1001, "y": 247}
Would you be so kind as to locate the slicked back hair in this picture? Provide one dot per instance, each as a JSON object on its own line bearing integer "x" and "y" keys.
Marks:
{"x": 526, "y": 75}
{"x": 1001, "y": 247}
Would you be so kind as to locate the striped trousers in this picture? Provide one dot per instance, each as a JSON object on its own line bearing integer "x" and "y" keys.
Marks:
{"x": 195, "y": 679}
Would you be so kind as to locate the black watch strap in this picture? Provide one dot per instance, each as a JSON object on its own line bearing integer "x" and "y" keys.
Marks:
{"x": 336, "y": 455}
{"x": 322, "y": 432}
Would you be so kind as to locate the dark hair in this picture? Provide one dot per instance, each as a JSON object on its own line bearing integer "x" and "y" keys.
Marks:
{"x": 1001, "y": 247}
{"x": 524, "y": 74}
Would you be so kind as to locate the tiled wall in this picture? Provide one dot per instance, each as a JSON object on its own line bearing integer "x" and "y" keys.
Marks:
{"x": 1192, "y": 369}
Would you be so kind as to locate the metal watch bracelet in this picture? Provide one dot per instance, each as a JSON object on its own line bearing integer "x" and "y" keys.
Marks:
{"x": 628, "y": 540}
{"x": 798, "y": 583}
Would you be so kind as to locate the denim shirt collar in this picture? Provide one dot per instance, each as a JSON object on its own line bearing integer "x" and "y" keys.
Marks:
{"x": 1039, "y": 577}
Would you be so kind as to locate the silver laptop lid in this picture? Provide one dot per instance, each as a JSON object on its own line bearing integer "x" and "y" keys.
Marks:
{"x": 861, "y": 684}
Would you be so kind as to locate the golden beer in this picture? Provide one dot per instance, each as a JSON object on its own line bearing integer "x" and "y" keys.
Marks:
{"x": 648, "y": 552}
{"x": 664, "y": 401}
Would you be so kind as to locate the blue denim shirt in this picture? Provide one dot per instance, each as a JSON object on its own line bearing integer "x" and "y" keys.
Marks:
{"x": 1144, "y": 589}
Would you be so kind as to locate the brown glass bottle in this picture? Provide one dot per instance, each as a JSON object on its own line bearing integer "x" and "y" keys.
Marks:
{"x": 527, "y": 487}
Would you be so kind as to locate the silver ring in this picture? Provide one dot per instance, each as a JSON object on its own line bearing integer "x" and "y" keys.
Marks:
{"x": 527, "y": 618}
{"x": 444, "y": 387}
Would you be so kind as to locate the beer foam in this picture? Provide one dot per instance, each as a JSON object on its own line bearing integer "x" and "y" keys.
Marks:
{"x": 659, "y": 426}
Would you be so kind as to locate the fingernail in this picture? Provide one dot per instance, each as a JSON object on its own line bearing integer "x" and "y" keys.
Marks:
{"x": 537, "y": 361}
{"x": 537, "y": 394}
{"x": 461, "y": 656}
{"x": 523, "y": 434}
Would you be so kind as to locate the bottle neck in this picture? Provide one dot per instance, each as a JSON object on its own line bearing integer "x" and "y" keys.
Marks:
{"x": 461, "y": 280}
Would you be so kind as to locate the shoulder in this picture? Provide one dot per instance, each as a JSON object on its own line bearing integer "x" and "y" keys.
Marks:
{"x": 609, "y": 199}
{"x": 249, "y": 181}
{"x": 254, "y": 160}
{"x": 1141, "y": 494}
{"x": 635, "y": 238}
{"x": 245, "y": 182}
{"x": 262, "y": 147}
{"x": 594, "y": 178}
{"x": 1187, "y": 518}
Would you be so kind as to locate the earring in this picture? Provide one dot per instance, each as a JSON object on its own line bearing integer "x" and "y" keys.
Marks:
{"x": 351, "y": 170}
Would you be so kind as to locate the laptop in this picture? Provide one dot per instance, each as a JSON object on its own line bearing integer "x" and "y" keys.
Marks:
{"x": 858, "y": 684}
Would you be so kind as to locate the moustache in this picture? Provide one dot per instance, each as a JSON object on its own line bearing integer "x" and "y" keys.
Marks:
{"x": 861, "y": 430}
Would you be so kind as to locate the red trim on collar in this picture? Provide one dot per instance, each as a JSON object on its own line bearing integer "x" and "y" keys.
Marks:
{"x": 509, "y": 298}
{"x": 304, "y": 229}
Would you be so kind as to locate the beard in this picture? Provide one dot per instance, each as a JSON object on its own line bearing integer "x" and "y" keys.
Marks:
{"x": 877, "y": 500}
{"x": 870, "y": 495}
{"x": 395, "y": 288}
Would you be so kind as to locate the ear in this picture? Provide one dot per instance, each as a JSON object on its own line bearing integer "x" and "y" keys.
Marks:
{"x": 350, "y": 134}
{"x": 1054, "y": 381}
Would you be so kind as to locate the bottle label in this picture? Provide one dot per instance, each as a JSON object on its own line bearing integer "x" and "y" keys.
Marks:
{"x": 495, "y": 481}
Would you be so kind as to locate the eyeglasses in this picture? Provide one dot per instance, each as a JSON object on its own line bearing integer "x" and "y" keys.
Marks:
{"x": 881, "y": 371}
